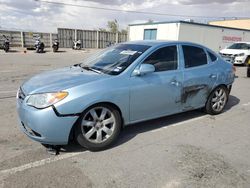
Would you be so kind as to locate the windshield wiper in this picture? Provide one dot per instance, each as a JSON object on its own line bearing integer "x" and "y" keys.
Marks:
{"x": 88, "y": 68}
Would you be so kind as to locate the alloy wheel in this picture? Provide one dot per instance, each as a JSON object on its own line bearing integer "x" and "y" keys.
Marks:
{"x": 219, "y": 99}
{"x": 98, "y": 124}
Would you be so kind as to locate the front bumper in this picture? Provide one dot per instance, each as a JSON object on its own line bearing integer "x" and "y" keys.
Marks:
{"x": 234, "y": 59}
{"x": 239, "y": 60}
{"x": 44, "y": 125}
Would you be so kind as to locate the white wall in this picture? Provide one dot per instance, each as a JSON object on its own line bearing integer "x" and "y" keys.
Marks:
{"x": 168, "y": 31}
{"x": 164, "y": 31}
{"x": 209, "y": 37}
{"x": 213, "y": 37}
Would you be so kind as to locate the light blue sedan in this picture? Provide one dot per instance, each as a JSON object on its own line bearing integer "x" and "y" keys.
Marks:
{"x": 124, "y": 84}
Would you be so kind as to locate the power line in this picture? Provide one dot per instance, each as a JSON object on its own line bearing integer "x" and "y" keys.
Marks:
{"x": 130, "y": 11}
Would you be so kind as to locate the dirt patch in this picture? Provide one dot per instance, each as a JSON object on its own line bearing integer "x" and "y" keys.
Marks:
{"x": 201, "y": 168}
{"x": 3, "y": 141}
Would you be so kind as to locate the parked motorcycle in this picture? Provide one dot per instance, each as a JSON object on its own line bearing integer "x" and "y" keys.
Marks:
{"x": 110, "y": 44}
{"x": 6, "y": 44}
{"x": 77, "y": 45}
{"x": 55, "y": 45}
{"x": 39, "y": 46}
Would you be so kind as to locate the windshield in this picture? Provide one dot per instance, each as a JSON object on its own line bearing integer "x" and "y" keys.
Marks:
{"x": 240, "y": 46}
{"x": 115, "y": 59}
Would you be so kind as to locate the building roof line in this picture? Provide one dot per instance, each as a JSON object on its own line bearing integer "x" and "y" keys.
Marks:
{"x": 191, "y": 23}
{"x": 229, "y": 20}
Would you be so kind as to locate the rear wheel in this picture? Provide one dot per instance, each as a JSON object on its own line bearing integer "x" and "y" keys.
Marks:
{"x": 98, "y": 127}
{"x": 78, "y": 47}
{"x": 217, "y": 100}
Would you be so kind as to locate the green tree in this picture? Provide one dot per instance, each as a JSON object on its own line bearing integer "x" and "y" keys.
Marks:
{"x": 113, "y": 26}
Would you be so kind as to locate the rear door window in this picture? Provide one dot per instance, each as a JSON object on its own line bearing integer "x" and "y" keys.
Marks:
{"x": 194, "y": 56}
{"x": 212, "y": 56}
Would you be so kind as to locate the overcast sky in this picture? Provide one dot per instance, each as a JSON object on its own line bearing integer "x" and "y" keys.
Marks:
{"x": 40, "y": 16}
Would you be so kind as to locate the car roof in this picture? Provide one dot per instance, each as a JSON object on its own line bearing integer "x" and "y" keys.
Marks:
{"x": 242, "y": 42}
{"x": 161, "y": 42}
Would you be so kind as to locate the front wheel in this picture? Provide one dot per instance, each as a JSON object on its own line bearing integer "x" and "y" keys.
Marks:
{"x": 78, "y": 47}
{"x": 55, "y": 48}
{"x": 6, "y": 48}
{"x": 98, "y": 127}
{"x": 217, "y": 100}
{"x": 247, "y": 61}
{"x": 248, "y": 71}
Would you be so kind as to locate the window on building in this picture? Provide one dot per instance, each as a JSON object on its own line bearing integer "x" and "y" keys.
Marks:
{"x": 194, "y": 56}
{"x": 164, "y": 59}
{"x": 150, "y": 34}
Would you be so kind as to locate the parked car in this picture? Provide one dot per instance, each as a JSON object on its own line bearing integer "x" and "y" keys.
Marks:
{"x": 124, "y": 84}
{"x": 237, "y": 53}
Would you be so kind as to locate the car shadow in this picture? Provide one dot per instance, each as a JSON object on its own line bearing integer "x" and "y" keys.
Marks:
{"x": 232, "y": 101}
{"x": 131, "y": 131}
{"x": 72, "y": 147}
{"x": 239, "y": 65}
{"x": 60, "y": 51}
{"x": 12, "y": 51}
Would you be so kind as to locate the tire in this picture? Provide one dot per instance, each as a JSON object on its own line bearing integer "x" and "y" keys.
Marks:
{"x": 92, "y": 133}
{"x": 248, "y": 71}
{"x": 6, "y": 49}
{"x": 78, "y": 47}
{"x": 217, "y": 100}
{"x": 246, "y": 61}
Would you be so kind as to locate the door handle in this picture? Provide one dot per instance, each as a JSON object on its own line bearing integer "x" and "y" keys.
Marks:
{"x": 213, "y": 76}
{"x": 175, "y": 83}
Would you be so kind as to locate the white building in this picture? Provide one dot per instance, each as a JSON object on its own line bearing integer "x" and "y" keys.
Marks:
{"x": 214, "y": 37}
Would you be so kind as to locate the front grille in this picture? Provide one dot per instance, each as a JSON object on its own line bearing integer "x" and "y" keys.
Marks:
{"x": 21, "y": 94}
{"x": 228, "y": 57}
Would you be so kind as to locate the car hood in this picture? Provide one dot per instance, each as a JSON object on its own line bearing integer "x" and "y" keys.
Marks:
{"x": 233, "y": 51}
{"x": 60, "y": 79}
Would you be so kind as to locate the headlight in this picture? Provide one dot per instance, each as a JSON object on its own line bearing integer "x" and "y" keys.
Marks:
{"x": 241, "y": 54}
{"x": 45, "y": 100}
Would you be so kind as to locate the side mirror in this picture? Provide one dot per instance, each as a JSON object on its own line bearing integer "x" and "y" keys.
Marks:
{"x": 144, "y": 69}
